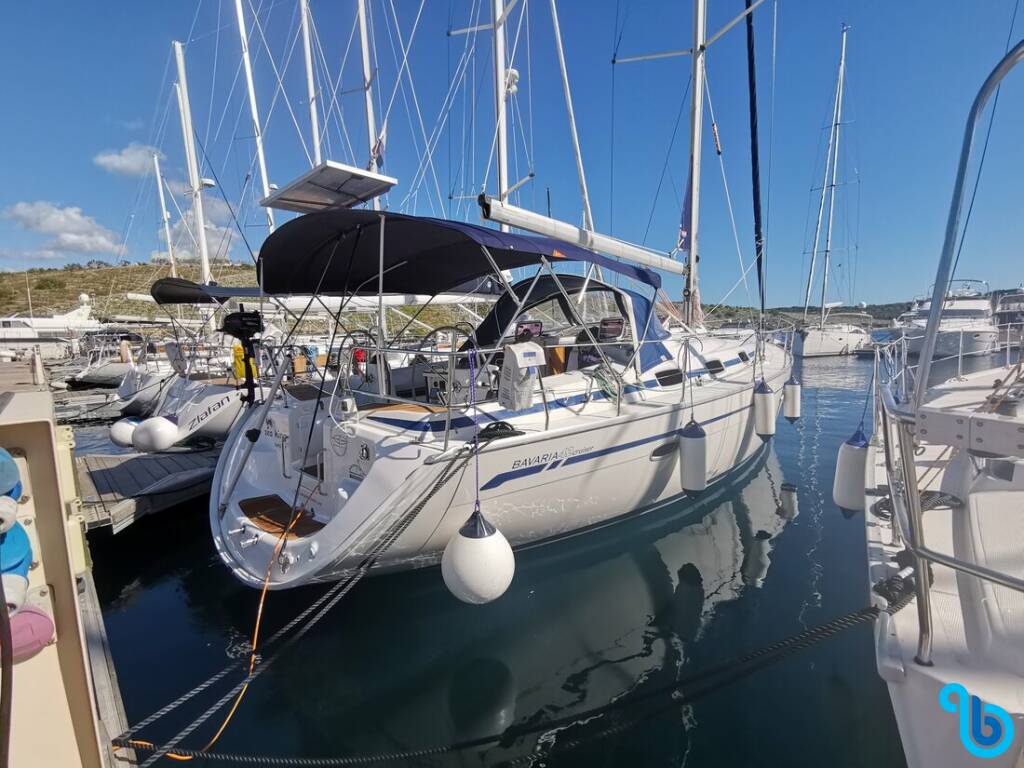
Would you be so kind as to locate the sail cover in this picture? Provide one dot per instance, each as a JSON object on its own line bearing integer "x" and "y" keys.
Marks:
{"x": 337, "y": 252}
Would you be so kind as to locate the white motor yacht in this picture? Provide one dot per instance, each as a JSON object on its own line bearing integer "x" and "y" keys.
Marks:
{"x": 54, "y": 336}
{"x": 1009, "y": 317}
{"x": 966, "y": 325}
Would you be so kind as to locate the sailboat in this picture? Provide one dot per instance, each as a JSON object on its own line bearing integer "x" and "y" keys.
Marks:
{"x": 835, "y": 333}
{"x": 567, "y": 407}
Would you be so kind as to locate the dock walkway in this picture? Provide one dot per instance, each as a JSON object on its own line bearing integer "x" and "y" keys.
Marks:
{"x": 117, "y": 490}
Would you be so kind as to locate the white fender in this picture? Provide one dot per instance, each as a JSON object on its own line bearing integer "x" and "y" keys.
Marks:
{"x": 8, "y": 513}
{"x": 757, "y": 560}
{"x": 15, "y": 590}
{"x": 155, "y": 434}
{"x": 791, "y": 399}
{"x": 693, "y": 458}
{"x": 851, "y": 464}
{"x": 478, "y": 565}
{"x": 122, "y": 430}
{"x": 789, "y": 502}
{"x": 764, "y": 410}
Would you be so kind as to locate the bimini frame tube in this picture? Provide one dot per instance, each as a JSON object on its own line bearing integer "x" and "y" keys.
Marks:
{"x": 1002, "y": 69}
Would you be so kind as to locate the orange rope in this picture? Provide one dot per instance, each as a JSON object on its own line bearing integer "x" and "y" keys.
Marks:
{"x": 255, "y": 637}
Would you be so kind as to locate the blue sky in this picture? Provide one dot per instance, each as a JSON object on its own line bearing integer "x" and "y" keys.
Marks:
{"x": 88, "y": 81}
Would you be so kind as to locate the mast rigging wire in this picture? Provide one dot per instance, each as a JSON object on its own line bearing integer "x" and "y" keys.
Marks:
{"x": 668, "y": 157}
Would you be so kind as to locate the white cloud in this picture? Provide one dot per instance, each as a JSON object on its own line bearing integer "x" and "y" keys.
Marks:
{"x": 214, "y": 207}
{"x": 28, "y": 254}
{"x": 69, "y": 228}
{"x": 216, "y": 210}
{"x": 219, "y": 239}
{"x": 134, "y": 160}
{"x": 179, "y": 188}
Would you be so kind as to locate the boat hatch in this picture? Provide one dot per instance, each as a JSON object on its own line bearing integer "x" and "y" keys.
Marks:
{"x": 272, "y": 514}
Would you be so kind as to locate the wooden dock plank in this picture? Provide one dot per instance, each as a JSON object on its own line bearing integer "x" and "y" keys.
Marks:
{"x": 114, "y": 488}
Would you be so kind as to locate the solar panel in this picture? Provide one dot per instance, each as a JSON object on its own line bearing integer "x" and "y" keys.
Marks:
{"x": 329, "y": 185}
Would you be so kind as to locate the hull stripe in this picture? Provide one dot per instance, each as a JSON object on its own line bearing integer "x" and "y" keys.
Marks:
{"x": 503, "y": 477}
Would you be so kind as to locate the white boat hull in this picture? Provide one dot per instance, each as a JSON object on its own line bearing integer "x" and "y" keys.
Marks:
{"x": 969, "y": 341}
{"x": 830, "y": 342}
{"x": 106, "y": 373}
{"x": 200, "y": 412}
{"x": 541, "y": 485}
{"x": 142, "y": 389}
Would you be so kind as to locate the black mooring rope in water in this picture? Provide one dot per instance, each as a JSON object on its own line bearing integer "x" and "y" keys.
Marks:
{"x": 682, "y": 691}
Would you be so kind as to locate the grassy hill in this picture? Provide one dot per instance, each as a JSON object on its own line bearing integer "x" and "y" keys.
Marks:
{"x": 57, "y": 290}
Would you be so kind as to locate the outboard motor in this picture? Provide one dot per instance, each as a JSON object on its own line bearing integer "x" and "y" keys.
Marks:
{"x": 244, "y": 326}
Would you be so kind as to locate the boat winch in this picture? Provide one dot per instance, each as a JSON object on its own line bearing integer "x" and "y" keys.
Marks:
{"x": 764, "y": 410}
{"x": 851, "y": 464}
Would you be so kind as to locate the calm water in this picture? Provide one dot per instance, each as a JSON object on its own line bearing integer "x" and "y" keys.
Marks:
{"x": 400, "y": 664}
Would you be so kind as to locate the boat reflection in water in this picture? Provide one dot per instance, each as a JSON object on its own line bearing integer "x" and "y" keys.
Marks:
{"x": 593, "y": 620}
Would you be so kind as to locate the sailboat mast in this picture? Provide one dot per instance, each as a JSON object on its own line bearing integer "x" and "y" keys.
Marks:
{"x": 371, "y": 122}
{"x": 195, "y": 182}
{"x": 500, "y": 93}
{"x": 307, "y": 48}
{"x": 824, "y": 191}
{"x": 254, "y": 111}
{"x": 696, "y": 129}
{"x": 165, "y": 217}
{"x": 835, "y": 167}
{"x": 588, "y": 217}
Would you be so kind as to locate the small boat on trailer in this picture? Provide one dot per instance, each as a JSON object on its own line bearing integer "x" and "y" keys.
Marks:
{"x": 570, "y": 423}
{"x": 944, "y": 489}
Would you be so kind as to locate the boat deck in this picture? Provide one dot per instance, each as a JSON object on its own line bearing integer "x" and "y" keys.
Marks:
{"x": 977, "y": 626}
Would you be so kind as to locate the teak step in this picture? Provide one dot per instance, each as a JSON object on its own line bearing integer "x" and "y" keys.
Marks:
{"x": 272, "y": 514}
